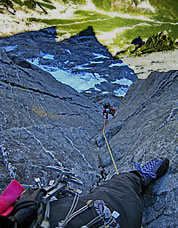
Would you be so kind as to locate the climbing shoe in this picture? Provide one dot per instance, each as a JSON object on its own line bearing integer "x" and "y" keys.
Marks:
{"x": 152, "y": 170}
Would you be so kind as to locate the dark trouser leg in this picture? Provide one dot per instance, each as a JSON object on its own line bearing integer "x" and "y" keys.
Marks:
{"x": 122, "y": 193}
{"x": 125, "y": 193}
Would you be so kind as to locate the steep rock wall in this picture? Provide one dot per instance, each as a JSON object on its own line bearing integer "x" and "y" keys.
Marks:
{"x": 43, "y": 122}
{"x": 145, "y": 127}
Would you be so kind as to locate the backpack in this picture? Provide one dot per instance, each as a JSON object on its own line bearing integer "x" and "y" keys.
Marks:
{"x": 27, "y": 212}
{"x": 30, "y": 209}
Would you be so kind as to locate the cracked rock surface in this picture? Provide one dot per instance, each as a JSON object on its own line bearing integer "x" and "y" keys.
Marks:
{"x": 81, "y": 54}
{"x": 145, "y": 127}
{"x": 44, "y": 122}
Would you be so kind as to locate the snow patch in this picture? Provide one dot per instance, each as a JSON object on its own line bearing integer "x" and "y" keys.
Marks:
{"x": 121, "y": 92}
{"x": 47, "y": 56}
{"x": 123, "y": 81}
{"x": 80, "y": 82}
{"x": 117, "y": 64}
{"x": 100, "y": 56}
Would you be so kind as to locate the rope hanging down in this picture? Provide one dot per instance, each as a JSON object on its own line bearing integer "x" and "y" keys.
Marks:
{"x": 109, "y": 147}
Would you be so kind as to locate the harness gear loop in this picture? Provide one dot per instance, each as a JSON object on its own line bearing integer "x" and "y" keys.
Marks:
{"x": 72, "y": 214}
{"x": 109, "y": 147}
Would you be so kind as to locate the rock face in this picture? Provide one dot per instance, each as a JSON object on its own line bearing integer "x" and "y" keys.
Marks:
{"x": 145, "y": 127}
{"x": 44, "y": 122}
{"x": 81, "y": 54}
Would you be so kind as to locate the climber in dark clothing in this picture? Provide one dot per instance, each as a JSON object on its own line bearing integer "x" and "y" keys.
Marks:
{"x": 108, "y": 110}
{"x": 116, "y": 203}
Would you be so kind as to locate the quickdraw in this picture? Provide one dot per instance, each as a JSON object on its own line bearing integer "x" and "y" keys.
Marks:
{"x": 103, "y": 212}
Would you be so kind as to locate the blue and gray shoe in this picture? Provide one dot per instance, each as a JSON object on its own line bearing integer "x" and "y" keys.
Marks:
{"x": 152, "y": 170}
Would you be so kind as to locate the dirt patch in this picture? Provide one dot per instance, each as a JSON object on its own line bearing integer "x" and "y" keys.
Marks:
{"x": 158, "y": 61}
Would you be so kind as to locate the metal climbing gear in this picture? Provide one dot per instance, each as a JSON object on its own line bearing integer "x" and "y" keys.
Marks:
{"x": 103, "y": 211}
{"x": 71, "y": 214}
{"x": 45, "y": 223}
{"x": 104, "y": 215}
{"x": 54, "y": 190}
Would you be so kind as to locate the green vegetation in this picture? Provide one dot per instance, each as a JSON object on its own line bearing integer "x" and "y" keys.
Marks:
{"x": 132, "y": 28}
{"x": 163, "y": 18}
{"x": 145, "y": 32}
{"x": 125, "y": 29}
{"x": 90, "y": 14}
{"x": 98, "y": 21}
{"x": 30, "y": 4}
{"x": 77, "y": 2}
{"x": 48, "y": 6}
{"x": 103, "y": 4}
{"x": 19, "y": 2}
{"x": 47, "y": 1}
{"x": 168, "y": 8}
{"x": 160, "y": 41}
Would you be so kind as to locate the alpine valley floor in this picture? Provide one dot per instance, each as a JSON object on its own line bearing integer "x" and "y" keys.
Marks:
{"x": 157, "y": 61}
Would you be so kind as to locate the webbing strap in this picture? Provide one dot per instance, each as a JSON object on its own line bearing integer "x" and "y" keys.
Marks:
{"x": 109, "y": 147}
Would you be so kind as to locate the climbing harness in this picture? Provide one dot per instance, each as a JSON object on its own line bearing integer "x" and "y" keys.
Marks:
{"x": 71, "y": 214}
{"x": 109, "y": 147}
{"x": 104, "y": 215}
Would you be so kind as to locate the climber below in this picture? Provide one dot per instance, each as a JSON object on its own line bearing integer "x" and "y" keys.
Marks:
{"x": 108, "y": 110}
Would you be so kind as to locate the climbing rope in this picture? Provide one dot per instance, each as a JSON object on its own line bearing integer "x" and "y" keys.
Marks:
{"x": 109, "y": 147}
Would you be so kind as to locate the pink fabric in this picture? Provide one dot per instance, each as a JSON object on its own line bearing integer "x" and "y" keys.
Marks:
{"x": 3, "y": 204}
{"x": 10, "y": 195}
{"x": 8, "y": 211}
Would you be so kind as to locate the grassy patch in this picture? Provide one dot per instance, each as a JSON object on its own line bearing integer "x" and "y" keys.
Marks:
{"x": 145, "y": 32}
{"x": 104, "y": 23}
{"x": 168, "y": 8}
{"x": 47, "y": 1}
{"x": 77, "y": 2}
{"x": 98, "y": 21}
{"x": 103, "y": 4}
{"x": 48, "y": 6}
{"x": 17, "y": 2}
{"x": 163, "y": 18}
{"x": 90, "y": 14}
{"x": 55, "y": 21}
